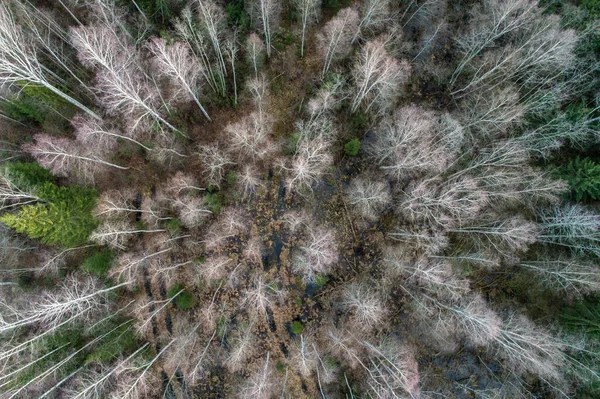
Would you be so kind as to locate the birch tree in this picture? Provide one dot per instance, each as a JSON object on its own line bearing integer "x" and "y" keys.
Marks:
{"x": 378, "y": 77}
{"x": 19, "y": 61}
{"x": 369, "y": 196}
{"x": 266, "y": 15}
{"x": 406, "y": 144}
{"x": 178, "y": 65}
{"x": 573, "y": 277}
{"x": 308, "y": 11}
{"x": 335, "y": 41}
{"x": 376, "y": 14}
{"x": 121, "y": 83}
{"x": 255, "y": 52}
{"x": 64, "y": 157}
{"x": 571, "y": 226}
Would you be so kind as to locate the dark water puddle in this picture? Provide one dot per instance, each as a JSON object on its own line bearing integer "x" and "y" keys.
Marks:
{"x": 271, "y": 319}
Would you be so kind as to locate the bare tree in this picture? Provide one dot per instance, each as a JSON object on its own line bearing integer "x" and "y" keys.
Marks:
{"x": 303, "y": 356}
{"x": 19, "y": 60}
{"x": 528, "y": 349}
{"x": 490, "y": 114}
{"x": 11, "y": 195}
{"x": 535, "y": 54}
{"x": 215, "y": 161}
{"x": 251, "y": 136}
{"x": 231, "y": 53}
{"x": 408, "y": 144}
{"x": 75, "y": 299}
{"x": 309, "y": 11}
{"x": 378, "y": 77}
{"x": 369, "y": 196}
{"x": 249, "y": 179}
{"x": 317, "y": 254}
{"x": 505, "y": 236}
{"x": 258, "y": 297}
{"x": 443, "y": 203}
{"x": 573, "y": 277}
{"x": 64, "y": 157}
{"x": 120, "y": 81}
{"x": 392, "y": 370}
{"x": 203, "y": 25}
{"x": 182, "y": 183}
{"x": 430, "y": 241}
{"x": 116, "y": 203}
{"x": 130, "y": 266}
{"x": 213, "y": 268}
{"x": 573, "y": 227}
{"x": 116, "y": 234}
{"x": 260, "y": 385}
{"x": 192, "y": 210}
{"x": 255, "y": 52}
{"x": 499, "y": 18}
{"x": 367, "y": 307}
{"x": 178, "y": 64}
{"x": 241, "y": 348}
{"x": 91, "y": 133}
{"x": 430, "y": 275}
{"x": 335, "y": 42}
{"x": 327, "y": 100}
{"x": 310, "y": 162}
{"x": 376, "y": 15}
{"x": 266, "y": 15}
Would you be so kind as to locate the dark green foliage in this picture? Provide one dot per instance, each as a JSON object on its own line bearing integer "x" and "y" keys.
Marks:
{"x": 231, "y": 178}
{"x": 65, "y": 216}
{"x": 321, "y": 280}
{"x": 584, "y": 318}
{"x": 352, "y": 147}
{"x": 185, "y": 300}
{"x": 214, "y": 201}
{"x": 237, "y": 15}
{"x": 583, "y": 177}
{"x": 99, "y": 263}
{"x": 54, "y": 348}
{"x": 335, "y": 5}
{"x": 35, "y": 104}
{"x": 359, "y": 121}
{"x": 592, "y": 6}
{"x": 174, "y": 226}
{"x": 291, "y": 143}
{"x": 27, "y": 175}
{"x": 297, "y": 328}
{"x": 120, "y": 342}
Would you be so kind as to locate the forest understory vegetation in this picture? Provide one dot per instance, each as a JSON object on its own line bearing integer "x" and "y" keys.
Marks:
{"x": 299, "y": 199}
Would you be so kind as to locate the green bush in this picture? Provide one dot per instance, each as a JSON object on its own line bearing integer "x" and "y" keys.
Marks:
{"x": 231, "y": 178}
{"x": 297, "y": 328}
{"x": 583, "y": 177}
{"x": 185, "y": 300}
{"x": 321, "y": 280}
{"x": 214, "y": 201}
{"x": 174, "y": 226}
{"x": 99, "y": 263}
{"x": 352, "y": 147}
